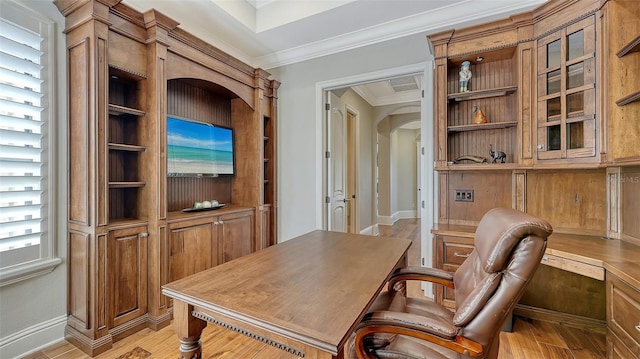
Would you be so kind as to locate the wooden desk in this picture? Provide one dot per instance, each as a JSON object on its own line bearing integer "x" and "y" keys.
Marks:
{"x": 304, "y": 296}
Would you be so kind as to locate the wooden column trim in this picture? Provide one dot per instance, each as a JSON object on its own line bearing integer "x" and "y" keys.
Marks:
{"x": 613, "y": 202}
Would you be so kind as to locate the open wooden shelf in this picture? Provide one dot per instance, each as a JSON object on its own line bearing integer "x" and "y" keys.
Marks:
{"x": 488, "y": 166}
{"x": 633, "y": 46}
{"x": 483, "y": 126}
{"x": 478, "y": 94}
{"x": 628, "y": 99}
{"x": 132, "y": 184}
{"x": 118, "y": 110}
{"x": 123, "y": 147}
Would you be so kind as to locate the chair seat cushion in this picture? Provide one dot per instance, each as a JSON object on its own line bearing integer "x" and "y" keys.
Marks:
{"x": 408, "y": 347}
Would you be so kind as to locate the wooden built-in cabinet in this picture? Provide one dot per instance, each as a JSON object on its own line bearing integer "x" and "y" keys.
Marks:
{"x": 559, "y": 87}
{"x": 623, "y": 318}
{"x": 451, "y": 252}
{"x": 127, "y": 282}
{"x": 127, "y": 232}
{"x": 196, "y": 244}
{"x": 566, "y": 92}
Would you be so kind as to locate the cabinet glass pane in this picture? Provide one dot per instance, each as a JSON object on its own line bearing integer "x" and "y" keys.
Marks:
{"x": 575, "y": 45}
{"x": 575, "y": 75}
{"x": 553, "y": 82}
{"x": 553, "y": 54}
{"x": 575, "y": 104}
{"x": 575, "y": 135}
{"x": 553, "y": 138}
{"x": 553, "y": 107}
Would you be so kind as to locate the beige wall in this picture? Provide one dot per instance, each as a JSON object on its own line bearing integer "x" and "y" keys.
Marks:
{"x": 405, "y": 172}
{"x": 397, "y": 166}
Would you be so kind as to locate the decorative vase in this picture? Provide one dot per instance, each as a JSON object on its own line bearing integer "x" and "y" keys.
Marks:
{"x": 480, "y": 117}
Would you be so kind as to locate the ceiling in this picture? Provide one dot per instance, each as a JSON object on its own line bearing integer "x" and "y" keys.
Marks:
{"x": 272, "y": 33}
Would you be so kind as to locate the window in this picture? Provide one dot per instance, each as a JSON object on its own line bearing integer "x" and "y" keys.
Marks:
{"x": 26, "y": 76}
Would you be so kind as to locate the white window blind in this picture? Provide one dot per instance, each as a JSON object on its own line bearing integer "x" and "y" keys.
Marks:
{"x": 26, "y": 56}
{"x": 20, "y": 137}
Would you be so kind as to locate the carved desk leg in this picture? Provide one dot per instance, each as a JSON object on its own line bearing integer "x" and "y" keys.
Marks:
{"x": 188, "y": 330}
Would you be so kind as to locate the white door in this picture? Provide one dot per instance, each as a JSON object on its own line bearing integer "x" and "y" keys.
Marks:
{"x": 336, "y": 164}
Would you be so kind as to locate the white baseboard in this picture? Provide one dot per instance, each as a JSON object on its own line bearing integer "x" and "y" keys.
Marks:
{"x": 405, "y": 214}
{"x": 390, "y": 220}
{"x": 34, "y": 338}
{"x": 372, "y": 230}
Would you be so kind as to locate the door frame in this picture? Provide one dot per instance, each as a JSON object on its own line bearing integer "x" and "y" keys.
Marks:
{"x": 322, "y": 89}
{"x": 429, "y": 185}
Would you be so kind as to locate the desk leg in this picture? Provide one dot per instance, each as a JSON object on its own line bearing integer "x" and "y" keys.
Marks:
{"x": 188, "y": 330}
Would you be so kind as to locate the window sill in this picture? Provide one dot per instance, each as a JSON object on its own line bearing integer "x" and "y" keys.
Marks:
{"x": 27, "y": 270}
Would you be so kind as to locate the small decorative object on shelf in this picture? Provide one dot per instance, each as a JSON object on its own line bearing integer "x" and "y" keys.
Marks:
{"x": 465, "y": 76}
{"x": 471, "y": 158}
{"x": 496, "y": 155}
{"x": 479, "y": 117}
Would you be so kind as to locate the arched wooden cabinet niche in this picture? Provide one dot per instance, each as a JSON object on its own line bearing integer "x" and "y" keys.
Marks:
{"x": 127, "y": 232}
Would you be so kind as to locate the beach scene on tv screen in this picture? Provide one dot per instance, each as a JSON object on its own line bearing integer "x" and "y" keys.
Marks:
{"x": 198, "y": 149}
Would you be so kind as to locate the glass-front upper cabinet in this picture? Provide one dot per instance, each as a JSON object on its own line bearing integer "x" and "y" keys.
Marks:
{"x": 566, "y": 111}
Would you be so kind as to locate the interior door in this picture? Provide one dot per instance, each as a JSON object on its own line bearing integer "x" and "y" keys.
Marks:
{"x": 336, "y": 164}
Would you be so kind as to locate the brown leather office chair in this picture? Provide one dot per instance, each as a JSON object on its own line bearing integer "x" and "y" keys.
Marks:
{"x": 509, "y": 245}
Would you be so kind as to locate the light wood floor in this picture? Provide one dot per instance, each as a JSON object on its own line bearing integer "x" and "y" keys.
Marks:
{"x": 529, "y": 339}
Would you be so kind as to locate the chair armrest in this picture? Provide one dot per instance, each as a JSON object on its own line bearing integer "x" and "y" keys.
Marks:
{"x": 438, "y": 332}
{"x": 433, "y": 275}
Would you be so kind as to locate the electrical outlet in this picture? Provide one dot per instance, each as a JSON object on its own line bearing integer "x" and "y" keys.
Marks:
{"x": 464, "y": 195}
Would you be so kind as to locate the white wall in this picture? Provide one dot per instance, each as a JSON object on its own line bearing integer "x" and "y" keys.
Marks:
{"x": 33, "y": 311}
{"x": 300, "y": 133}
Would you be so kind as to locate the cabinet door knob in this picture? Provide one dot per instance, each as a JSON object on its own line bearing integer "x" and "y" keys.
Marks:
{"x": 456, "y": 254}
{"x": 144, "y": 235}
{"x": 216, "y": 223}
{"x": 545, "y": 259}
{"x": 638, "y": 327}
{"x": 221, "y": 223}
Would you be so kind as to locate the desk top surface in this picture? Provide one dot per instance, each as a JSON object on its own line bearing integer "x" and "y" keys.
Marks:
{"x": 616, "y": 256}
{"x": 314, "y": 288}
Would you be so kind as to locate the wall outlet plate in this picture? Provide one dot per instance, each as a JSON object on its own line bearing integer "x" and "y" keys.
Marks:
{"x": 463, "y": 195}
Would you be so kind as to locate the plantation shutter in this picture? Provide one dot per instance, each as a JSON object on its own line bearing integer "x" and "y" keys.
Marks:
{"x": 21, "y": 135}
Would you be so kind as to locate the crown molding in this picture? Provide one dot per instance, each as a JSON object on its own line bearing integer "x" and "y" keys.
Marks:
{"x": 458, "y": 14}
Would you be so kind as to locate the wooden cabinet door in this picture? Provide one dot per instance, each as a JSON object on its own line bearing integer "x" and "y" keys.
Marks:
{"x": 192, "y": 247}
{"x": 567, "y": 122}
{"x": 127, "y": 274}
{"x": 450, "y": 253}
{"x": 236, "y": 231}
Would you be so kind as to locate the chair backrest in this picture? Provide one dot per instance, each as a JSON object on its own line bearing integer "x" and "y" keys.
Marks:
{"x": 509, "y": 245}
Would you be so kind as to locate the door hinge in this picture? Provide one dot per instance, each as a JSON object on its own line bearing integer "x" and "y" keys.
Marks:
{"x": 423, "y": 261}
{"x": 422, "y": 204}
{"x": 327, "y": 199}
{"x": 327, "y": 154}
{"x": 423, "y": 151}
{"x": 422, "y": 94}
{"x": 327, "y": 106}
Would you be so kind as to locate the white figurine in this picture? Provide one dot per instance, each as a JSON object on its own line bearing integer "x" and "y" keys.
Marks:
{"x": 465, "y": 76}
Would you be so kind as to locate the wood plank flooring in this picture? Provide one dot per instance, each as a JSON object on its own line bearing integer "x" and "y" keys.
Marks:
{"x": 529, "y": 339}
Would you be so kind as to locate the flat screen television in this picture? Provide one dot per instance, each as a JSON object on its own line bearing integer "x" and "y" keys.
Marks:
{"x": 199, "y": 149}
